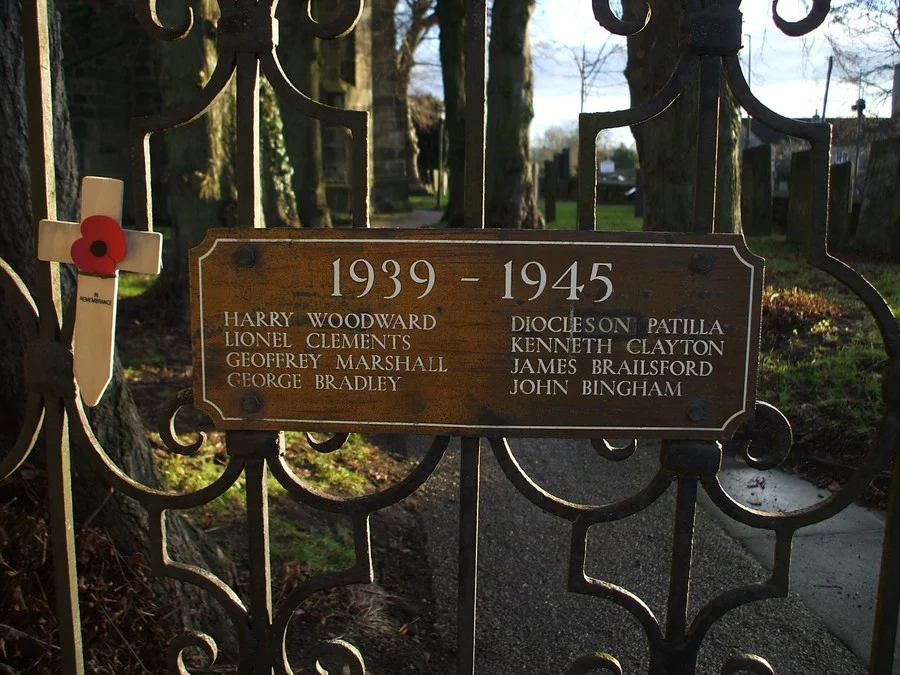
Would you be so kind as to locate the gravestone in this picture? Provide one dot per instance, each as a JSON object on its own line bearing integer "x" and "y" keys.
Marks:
{"x": 564, "y": 169}
{"x": 756, "y": 190}
{"x": 879, "y": 219}
{"x": 801, "y": 197}
{"x": 551, "y": 185}
{"x": 840, "y": 201}
{"x": 638, "y": 193}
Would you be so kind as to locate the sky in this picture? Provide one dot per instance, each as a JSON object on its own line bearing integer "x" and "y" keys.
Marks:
{"x": 786, "y": 74}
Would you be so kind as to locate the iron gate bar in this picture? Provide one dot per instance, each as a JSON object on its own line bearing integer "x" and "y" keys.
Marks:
{"x": 476, "y": 111}
{"x": 53, "y": 422}
{"x": 707, "y": 146}
{"x": 248, "y": 166}
{"x": 887, "y": 603}
{"x": 467, "y": 596}
{"x": 470, "y": 450}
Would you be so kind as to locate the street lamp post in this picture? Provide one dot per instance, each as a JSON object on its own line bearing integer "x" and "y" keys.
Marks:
{"x": 440, "y": 185}
{"x": 859, "y": 107}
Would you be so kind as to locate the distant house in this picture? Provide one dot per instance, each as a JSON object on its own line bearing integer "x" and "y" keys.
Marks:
{"x": 843, "y": 143}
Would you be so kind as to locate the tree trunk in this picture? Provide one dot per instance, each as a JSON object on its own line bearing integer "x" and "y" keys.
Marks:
{"x": 414, "y": 179}
{"x": 452, "y": 23}
{"x": 510, "y": 198}
{"x": 115, "y": 420}
{"x": 199, "y": 177}
{"x": 300, "y": 55}
{"x": 421, "y": 19}
{"x": 411, "y": 140}
{"x": 667, "y": 144}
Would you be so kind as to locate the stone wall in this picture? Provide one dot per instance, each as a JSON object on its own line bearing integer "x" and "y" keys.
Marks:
{"x": 346, "y": 83}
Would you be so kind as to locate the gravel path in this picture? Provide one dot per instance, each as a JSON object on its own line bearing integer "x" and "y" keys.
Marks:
{"x": 527, "y": 621}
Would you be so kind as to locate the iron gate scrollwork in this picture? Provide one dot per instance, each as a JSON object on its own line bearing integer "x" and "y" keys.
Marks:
{"x": 247, "y": 37}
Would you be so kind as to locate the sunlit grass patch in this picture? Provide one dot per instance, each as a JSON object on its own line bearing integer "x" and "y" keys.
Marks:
{"x": 355, "y": 469}
{"x": 312, "y": 549}
{"x": 187, "y": 474}
{"x": 822, "y": 357}
{"x": 132, "y": 284}
{"x": 618, "y": 217}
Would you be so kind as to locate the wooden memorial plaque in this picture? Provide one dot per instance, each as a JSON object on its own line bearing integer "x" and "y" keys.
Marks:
{"x": 478, "y": 333}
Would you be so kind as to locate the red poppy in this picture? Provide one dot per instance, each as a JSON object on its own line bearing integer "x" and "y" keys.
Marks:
{"x": 101, "y": 247}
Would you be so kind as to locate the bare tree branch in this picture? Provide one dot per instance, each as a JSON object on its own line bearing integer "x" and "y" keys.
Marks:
{"x": 866, "y": 42}
{"x": 591, "y": 66}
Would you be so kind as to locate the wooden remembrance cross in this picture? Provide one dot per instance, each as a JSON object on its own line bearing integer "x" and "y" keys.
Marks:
{"x": 99, "y": 248}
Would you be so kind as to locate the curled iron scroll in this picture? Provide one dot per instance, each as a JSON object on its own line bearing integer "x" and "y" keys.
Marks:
{"x": 747, "y": 663}
{"x": 149, "y": 19}
{"x": 614, "y": 453}
{"x": 349, "y": 657}
{"x": 165, "y": 422}
{"x": 813, "y": 20}
{"x": 766, "y": 441}
{"x": 336, "y": 442}
{"x": 189, "y": 640}
{"x": 338, "y": 27}
{"x": 590, "y": 663}
{"x": 16, "y": 291}
{"x": 565, "y": 509}
{"x": 607, "y": 18}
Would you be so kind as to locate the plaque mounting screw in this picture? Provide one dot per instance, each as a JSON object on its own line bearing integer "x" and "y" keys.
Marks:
{"x": 703, "y": 262}
{"x": 245, "y": 256}
{"x": 698, "y": 411}
{"x": 251, "y": 403}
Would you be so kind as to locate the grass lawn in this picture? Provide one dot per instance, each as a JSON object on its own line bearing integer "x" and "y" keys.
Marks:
{"x": 822, "y": 360}
{"x": 425, "y": 202}
{"x": 609, "y": 217}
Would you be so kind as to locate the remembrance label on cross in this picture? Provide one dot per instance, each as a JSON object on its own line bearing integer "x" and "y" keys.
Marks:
{"x": 99, "y": 248}
{"x": 489, "y": 332}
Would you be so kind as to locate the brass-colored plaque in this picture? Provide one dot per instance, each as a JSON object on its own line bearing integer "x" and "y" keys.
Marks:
{"x": 479, "y": 333}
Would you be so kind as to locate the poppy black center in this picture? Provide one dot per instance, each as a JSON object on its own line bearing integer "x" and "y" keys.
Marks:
{"x": 98, "y": 248}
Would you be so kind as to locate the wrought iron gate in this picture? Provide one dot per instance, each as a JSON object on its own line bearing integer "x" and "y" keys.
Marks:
{"x": 247, "y": 36}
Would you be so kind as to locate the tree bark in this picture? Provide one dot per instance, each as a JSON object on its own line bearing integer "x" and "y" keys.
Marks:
{"x": 452, "y": 23}
{"x": 667, "y": 144}
{"x": 300, "y": 55}
{"x": 115, "y": 420}
{"x": 510, "y": 200}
